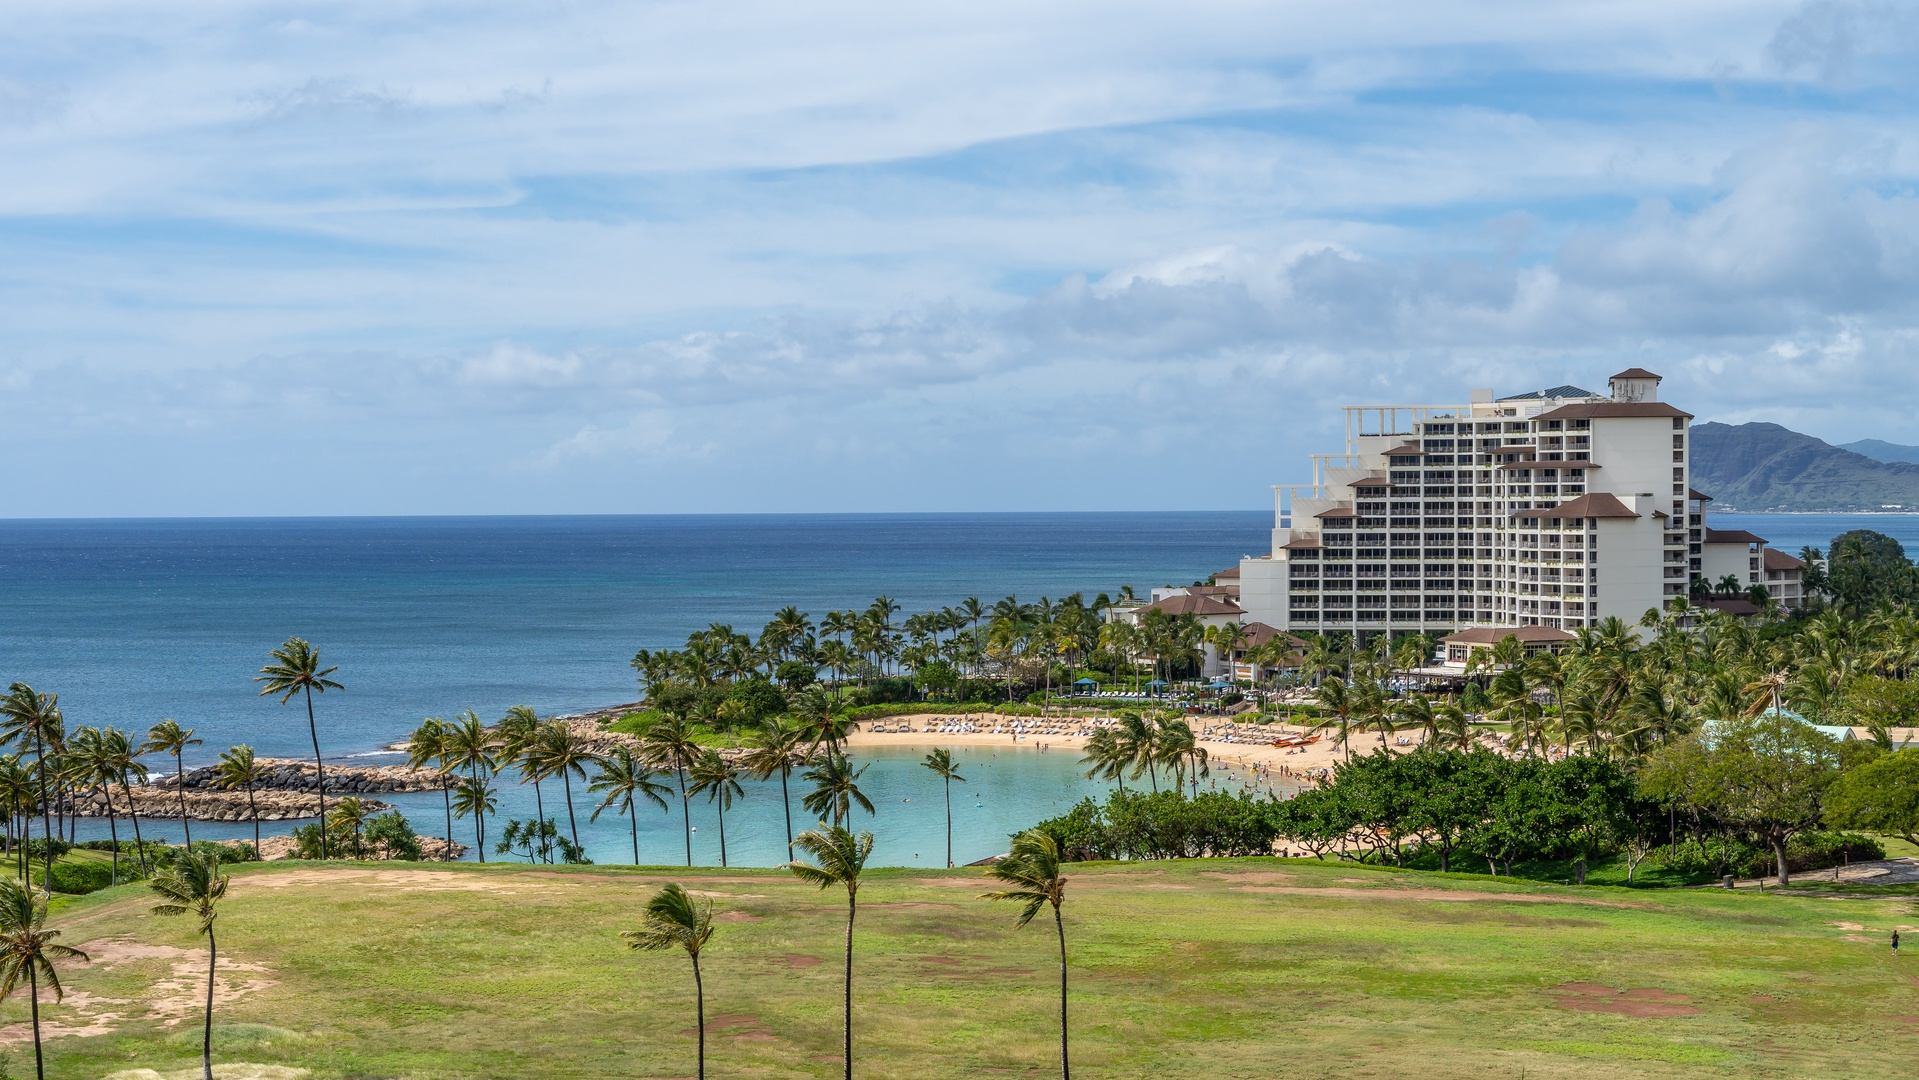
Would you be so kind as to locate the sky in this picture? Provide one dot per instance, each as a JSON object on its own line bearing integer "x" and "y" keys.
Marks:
{"x": 673, "y": 257}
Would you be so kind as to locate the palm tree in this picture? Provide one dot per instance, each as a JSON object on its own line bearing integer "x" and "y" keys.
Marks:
{"x": 519, "y": 734}
{"x": 28, "y": 948}
{"x": 295, "y": 669}
{"x": 238, "y": 769}
{"x": 559, "y": 750}
{"x": 17, "y": 796}
{"x": 427, "y": 746}
{"x": 1106, "y": 757}
{"x": 835, "y": 789}
{"x": 941, "y": 762}
{"x": 819, "y": 717}
{"x": 194, "y": 886}
{"x": 475, "y": 799}
{"x": 117, "y": 747}
{"x": 675, "y": 920}
{"x": 719, "y": 781}
{"x": 773, "y": 745}
{"x": 348, "y": 816}
{"x": 1336, "y": 704}
{"x": 26, "y": 715}
{"x": 93, "y": 764}
{"x": 1176, "y": 747}
{"x": 1032, "y": 869}
{"x": 623, "y": 775}
{"x": 668, "y": 744}
{"x": 168, "y": 737}
{"x": 838, "y": 856}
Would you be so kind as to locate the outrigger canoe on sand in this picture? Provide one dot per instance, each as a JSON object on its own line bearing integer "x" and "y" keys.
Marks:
{"x": 1296, "y": 740}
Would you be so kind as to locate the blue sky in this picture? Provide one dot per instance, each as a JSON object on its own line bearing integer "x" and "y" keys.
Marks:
{"x": 749, "y": 256}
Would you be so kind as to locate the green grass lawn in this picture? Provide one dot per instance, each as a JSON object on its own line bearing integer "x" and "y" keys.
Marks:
{"x": 1219, "y": 968}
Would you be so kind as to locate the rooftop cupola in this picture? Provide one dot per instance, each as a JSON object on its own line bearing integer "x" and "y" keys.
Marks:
{"x": 1635, "y": 384}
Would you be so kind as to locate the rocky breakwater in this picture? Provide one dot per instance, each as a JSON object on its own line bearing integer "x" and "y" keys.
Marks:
{"x": 153, "y": 801}
{"x": 286, "y": 791}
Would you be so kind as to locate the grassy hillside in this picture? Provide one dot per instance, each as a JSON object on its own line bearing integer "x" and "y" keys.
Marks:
{"x": 1208, "y": 969}
{"x": 1768, "y": 467}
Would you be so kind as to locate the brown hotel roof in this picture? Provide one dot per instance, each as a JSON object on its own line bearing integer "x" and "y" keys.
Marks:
{"x": 1597, "y": 505}
{"x": 1611, "y": 410}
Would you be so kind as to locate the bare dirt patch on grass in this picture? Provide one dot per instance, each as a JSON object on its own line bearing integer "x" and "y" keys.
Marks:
{"x": 407, "y": 880}
{"x": 178, "y": 996}
{"x": 796, "y": 961}
{"x": 1642, "y": 1001}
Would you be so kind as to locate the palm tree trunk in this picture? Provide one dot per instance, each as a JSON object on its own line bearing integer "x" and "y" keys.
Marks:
{"x": 846, "y": 1043}
{"x": 479, "y": 838}
{"x": 319, "y": 769}
{"x": 446, "y": 796}
{"x": 699, "y": 1005}
{"x": 949, "y": 823}
{"x": 539, "y": 806}
{"x": 113, "y": 833}
{"x": 33, "y": 995}
{"x": 180, "y": 780}
{"x": 139, "y": 845}
{"x": 1060, "y": 926}
{"x": 206, "y": 1035}
{"x": 686, "y": 812}
{"x": 253, "y": 810}
{"x": 722, "y": 836}
{"x": 46, "y": 822}
{"x": 634, "y": 816}
{"x": 573, "y": 822}
{"x": 786, "y": 804}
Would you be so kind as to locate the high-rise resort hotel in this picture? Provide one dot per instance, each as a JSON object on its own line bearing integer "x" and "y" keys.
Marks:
{"x": 1534, "y": 513}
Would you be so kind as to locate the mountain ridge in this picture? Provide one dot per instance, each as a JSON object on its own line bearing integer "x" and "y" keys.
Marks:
{"x": 1767, "y": 467}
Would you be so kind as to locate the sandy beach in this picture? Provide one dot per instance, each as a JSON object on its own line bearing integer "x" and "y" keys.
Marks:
{"x": 1296, "y": 760}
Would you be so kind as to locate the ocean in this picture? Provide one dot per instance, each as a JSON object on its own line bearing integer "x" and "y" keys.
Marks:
{"x": 132, "y": 621}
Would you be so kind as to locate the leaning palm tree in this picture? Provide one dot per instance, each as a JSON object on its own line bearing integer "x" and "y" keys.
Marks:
{"x": 239, "y": 770}
{"x": 194, "y": 885}
{"x": 295, "y": 669}
{"x": 941, "y": 762}
{"x": 839, "y": 856}
{"x": 719, "y": 780}
{"x": 26, "y": 716}
{"x": 623, "y": 776}
{"x": 675, "y": 920}
{"x": 474, "y": 798}
{"x": 28, "y": 949}
{"x": 772, "y": 747}
{"x": 427, "y": 748}
{"x": 835, "y": 789}
{"x": 1032, "y": 869}
{"x": 168, "y": 737}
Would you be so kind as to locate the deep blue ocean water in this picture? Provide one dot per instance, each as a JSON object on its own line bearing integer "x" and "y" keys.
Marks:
{"x": 132, "y": 621}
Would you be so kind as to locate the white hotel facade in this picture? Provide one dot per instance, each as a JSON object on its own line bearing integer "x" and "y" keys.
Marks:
{"x": 1556, "y": 508}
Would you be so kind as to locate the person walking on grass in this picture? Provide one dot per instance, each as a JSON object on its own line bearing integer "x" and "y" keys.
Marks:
{"x": 1895, "y": 943}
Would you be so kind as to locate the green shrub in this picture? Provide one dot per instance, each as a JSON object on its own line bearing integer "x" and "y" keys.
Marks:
{"x": 77, "y": 879}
